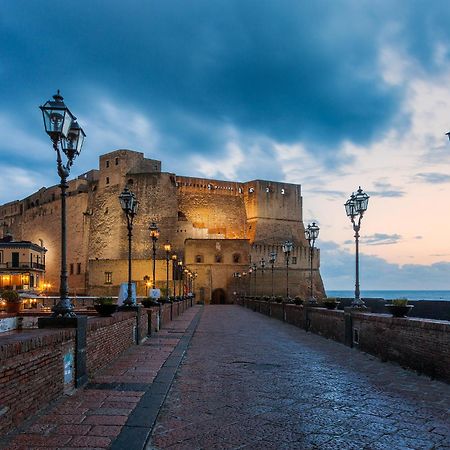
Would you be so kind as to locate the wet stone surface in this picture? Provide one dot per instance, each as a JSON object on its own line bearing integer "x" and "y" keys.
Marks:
{"x": 249, "y": 381}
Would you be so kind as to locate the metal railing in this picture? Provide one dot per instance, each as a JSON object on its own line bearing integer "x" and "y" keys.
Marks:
{"x": 22, "y": 265}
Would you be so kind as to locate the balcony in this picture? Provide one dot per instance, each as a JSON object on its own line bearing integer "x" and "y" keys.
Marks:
{"x": 22, "y": 266}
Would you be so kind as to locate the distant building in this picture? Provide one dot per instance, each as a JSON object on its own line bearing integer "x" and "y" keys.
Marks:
{"x": 22, "y": 264}
{"x": 216, "y": 227}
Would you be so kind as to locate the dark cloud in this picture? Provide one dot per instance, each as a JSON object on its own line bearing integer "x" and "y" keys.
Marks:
{"x": 384, "y": 189}
{"x": 433, "y": 178}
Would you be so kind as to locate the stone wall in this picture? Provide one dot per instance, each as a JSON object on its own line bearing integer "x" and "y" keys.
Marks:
{"x": 419, "y": 344}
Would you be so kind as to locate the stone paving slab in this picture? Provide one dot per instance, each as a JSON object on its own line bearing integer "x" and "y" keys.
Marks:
{"x": 102, "y": 413}
{"x": 252, "y": 382}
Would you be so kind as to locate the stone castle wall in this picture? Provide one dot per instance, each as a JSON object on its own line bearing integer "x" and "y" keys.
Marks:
{"x": 265, "y": 213}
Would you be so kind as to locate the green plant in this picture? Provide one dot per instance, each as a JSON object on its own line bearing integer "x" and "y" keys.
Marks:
{"x": 104, "y": 301}
{"x": 278, "y": 298}
{"x": 11, "y": 296}
{"x": 298, "y": 300}
{"x": 330, "y": 300}
{"x": 400, "y": 302}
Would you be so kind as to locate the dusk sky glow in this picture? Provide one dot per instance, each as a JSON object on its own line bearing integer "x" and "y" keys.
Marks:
{"x": 328, "y": 94}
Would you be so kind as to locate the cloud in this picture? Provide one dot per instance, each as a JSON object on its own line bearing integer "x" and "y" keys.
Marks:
{"x": 385, "y": 189}
{"x": 337, "y": 269}
{"x": 433, "y": 178}
{"x": 381, "y": 239}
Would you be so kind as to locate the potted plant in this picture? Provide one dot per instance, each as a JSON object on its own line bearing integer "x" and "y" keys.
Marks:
{"x": 105, "y": 306}
{"x": 148, "y": 302}
{"x": 279, "y": 299}
{"x": 298, "y": 300}
{"x": 13, "y": 301}
{"x": 399, "y": 307}
{"x": 330, "y": 303}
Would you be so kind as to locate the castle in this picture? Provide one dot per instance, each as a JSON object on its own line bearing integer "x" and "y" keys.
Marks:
{"x": 217, "y": 228}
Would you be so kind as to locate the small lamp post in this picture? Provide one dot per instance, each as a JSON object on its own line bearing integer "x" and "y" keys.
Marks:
{"x": 167, "y": 248}
{"x": 311, "y": 234}
{"x": 154, "y": 234}
{"x": 174, "y": 269}
{"x": 287, "y": 249}
{"x": 61, "y": 125}
{"x": 272, "y": 259}
{"x": 250, "y": 271}
{"x": 147, "y": 284}
{"x": 244, "y": 276}
{"x": 129, "y": 205}
{"x": 355, "y": 207}
{"x": 255, "y": 268}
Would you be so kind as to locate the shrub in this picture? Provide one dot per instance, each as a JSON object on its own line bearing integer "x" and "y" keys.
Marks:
{"x": 11, "y": 296}
{"x": 298, "y": 300}
{"x": 104, "y": 301}
{"x": 400, "y": 302}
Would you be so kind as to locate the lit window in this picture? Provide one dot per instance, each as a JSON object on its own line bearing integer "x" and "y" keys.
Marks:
{"x": 108, "y": 277}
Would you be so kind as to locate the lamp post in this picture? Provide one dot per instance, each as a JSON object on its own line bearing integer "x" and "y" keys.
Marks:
{"x": 255, "y": 268}
{"x": 244, "y": 275}
{"x": 129, "y": 205}
{"x": 272, "y": 259}
{"x": 262, "y": 263}
{"x": 311, "y": 234}
{"x": 186, "y": 279}
{"x": 154, "y": 234}
{"x": 250, "y": 271}
{"x": 287, "y": 249}
{"x": 167, "y": 248}
{"x": 174, "y": 267}
{"x": 355, "y": 207}
{"x": 180, "y": 274}
{"x": 61, "y": 125}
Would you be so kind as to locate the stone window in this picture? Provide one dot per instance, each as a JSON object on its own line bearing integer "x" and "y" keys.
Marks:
{"x": 108, "y": 277}
{"x": 71, "y": 269}
{"x": 78, "y": 268}
{"x": 117, "y": 161}
{"x": 1, "y": 256}
{"x": 294, "y": 260}
{"x": 219, "y": 258}
{"x": 107, "y": 164}
{"x": 130, "y": 182}
{"x": 237, "y": 258}
{"x": 251, "y": 190}
{"x": 107, "y": 180}
{"x": 199, "y": 259}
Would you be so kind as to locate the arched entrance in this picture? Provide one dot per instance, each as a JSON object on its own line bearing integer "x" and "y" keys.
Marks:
{"x": 218, "y": 297}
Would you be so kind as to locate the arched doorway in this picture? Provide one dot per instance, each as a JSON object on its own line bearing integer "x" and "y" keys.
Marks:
{"x": 218, "y": 297}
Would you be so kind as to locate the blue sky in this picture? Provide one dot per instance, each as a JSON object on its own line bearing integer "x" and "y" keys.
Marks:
{"x": 329, "y": 94}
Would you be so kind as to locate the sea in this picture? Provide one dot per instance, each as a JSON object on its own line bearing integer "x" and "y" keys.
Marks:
{"x": 389, "y": 295}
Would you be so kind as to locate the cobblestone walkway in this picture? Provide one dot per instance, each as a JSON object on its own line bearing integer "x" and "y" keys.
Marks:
{"x": 249, "y": 381}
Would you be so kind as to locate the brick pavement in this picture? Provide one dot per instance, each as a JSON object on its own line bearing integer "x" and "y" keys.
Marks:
{"x": 98, "y": 415}
{"x": 249, "y": 381}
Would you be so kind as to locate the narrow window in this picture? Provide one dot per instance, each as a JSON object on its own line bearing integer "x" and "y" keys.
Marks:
{"x": 108, "y": 277}
{"x": 294, "y": 260}
{"x": 117, "y": 161}
{"x": 1, "y": 256}
{"x": 78, "y": 268}
{"x": 218, "y": 258}
{"x": 107, "y": 180}
{"x": 71, "y": 269}
{"x": 236, "y": 258}
{"x": 199, "y": 259}
{"x": 107, "y": 164}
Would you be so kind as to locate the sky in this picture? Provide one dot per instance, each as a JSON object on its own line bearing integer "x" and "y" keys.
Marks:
{"x": 328, "y": 94}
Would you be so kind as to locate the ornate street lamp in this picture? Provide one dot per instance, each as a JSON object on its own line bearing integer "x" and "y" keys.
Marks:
{"x": 129, "y": 205}
{"x": 61, "y": 125}
{"x": 174, "y": 270}
{"x": 154, "y": 234}
{"x": 287, "y": 249}
{"x": 311, "y": 234}
{"x": 180, "y": 274}
{"x": 167, "y": 248}
{"x": 355, "y": 207}
{"x": 272, "y": 259}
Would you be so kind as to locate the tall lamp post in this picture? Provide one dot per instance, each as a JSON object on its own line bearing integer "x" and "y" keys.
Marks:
{"x": 61, "y": 125}
{"x": 355, "y": 207}
{"x": 263, "y": 266}
{"x": 255, "y": 268}
{"x": 180, "y": 274}
{"x": 174, "y": 270}
{"x": 154, "y": 234}
{"x": 250, "y": 271}
{"x": 272, "y": 259}
{"x": 311, "y": 234}
{"x": 287, "y": 249}
{"x": 167, "y": 248}
{"x": 129, "y": 205}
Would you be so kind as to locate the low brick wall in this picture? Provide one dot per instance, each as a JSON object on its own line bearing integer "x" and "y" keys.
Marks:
{"x": 32, "y": 372}
{"x": 419, "y": 344}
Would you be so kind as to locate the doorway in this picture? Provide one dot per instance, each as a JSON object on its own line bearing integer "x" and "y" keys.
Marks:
{"x": 218, "y": 297}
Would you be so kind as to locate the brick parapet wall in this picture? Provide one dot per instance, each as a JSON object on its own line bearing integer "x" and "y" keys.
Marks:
{"x": 419, "y": 344}
{"x": 31, "y": 372}
{"x": 33, "y": 359}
